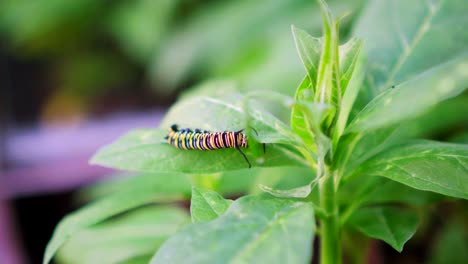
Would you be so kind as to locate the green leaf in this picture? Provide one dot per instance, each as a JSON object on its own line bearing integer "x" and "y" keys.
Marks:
{"x": 171, "y": 184}
{"x": 352, "y": 62}
{"x": 309, "y": 49}
{"x": 252, "y": 230}
{"x": 404, "y": 39}
{"x": 350, "y": 56}
{"x": 299, "y": 123}
{"x": 325, "y": 91}
{"x": 293, "y": 182}
{"x": 143, "y": 192}
{"x": 137, "y": 234}
{"x": 424, "y": 165}
{"x": 365, "y": 191}
{"x": 207, "y": 205}
{"x": 228, "y": 113}
{"x": 356, "y": 148}
{"x": 413, "y": 97}
{"x": 379, "y": 190}
{"x": 145, "y": 150}
{"x": 390, "y": 224}
{"x": 440, "y": 119}
{"x": 298, "y": 192}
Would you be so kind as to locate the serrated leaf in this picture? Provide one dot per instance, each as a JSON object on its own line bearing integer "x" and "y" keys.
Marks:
{"x": 136, "y": 234}
{"x": 424, "y": 165}
{"x": 207, "y": 205}
{"x": 390, "y": 224}
{"x": 110, "y": 206}
{"x": 413, "y": 97}
{"x": 404, "y": 39}
{"x": 251, "y": 231}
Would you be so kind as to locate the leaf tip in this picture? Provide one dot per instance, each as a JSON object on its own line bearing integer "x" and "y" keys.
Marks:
{"x": 293, "y": 28}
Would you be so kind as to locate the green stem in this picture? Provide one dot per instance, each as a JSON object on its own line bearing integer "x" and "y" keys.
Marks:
{"x": 330, "y": 247}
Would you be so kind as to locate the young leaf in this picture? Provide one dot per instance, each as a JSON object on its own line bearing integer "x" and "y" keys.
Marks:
{"x": 404, "y": 39}
{"x": 309, "y": 49}
{"x": 136, "y": 234}
{"x": 424, "y": 165}
{"x": 352, "y": 64}
{"x": 325, "y": 92}
{"x": 349, "y": 58}
{"x": 390, "y": 224}
{"x": 207, "y": 205}
{"x": 299, "y": 123}
{"x": 413, "y": 97}
{"x": 145, "y": 150}
{"x": 108, "y": 207}
{"x": 252, "y": 230}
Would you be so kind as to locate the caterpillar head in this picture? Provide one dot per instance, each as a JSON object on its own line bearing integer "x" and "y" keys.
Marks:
{"x": 241, "y": 139}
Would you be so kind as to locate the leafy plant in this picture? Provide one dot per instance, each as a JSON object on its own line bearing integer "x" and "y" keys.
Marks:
{"x": 349, "y": 159}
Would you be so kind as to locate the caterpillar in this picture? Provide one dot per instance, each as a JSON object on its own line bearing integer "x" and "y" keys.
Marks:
{"x": 205, "y": 140}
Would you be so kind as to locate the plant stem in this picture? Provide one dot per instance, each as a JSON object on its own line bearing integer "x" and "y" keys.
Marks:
{"x": 330, "y": 247}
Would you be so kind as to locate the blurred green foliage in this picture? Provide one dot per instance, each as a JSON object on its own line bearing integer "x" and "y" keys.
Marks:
{"x": 93, "y": 46}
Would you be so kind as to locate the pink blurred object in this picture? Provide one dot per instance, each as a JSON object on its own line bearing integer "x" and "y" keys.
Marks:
{"x": 55, "y": 158}
{"x": 9, "y": 244}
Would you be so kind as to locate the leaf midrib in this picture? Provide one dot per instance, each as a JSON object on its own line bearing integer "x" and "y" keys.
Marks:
{"x": 253, "y": 242}
{"x": 381, "y": 218}
{"x": 423, "y": 28}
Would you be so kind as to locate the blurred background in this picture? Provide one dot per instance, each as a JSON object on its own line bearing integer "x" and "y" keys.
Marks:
{"x": 75, "y": 75}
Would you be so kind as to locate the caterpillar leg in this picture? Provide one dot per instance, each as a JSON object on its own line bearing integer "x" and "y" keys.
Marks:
{"x": 245, "y": 157}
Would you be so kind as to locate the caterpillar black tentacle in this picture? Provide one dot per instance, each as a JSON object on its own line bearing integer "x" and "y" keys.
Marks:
{"x": 197, "y": 139}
